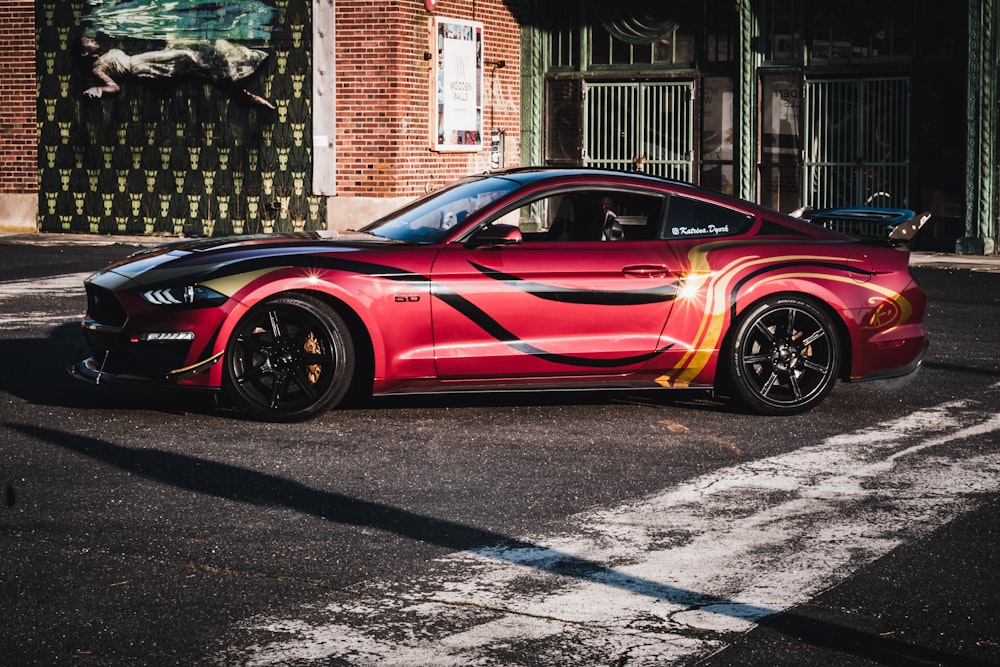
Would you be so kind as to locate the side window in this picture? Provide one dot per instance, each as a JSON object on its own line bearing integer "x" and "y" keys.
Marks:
{"x": 693, "y": 219}
{"x": 591, "y": 215}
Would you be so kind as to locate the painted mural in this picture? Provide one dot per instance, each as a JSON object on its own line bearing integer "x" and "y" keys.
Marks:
{"x": 182, "y": 118}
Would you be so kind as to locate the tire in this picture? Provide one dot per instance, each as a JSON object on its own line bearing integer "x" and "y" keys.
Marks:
{"x": 289, "y": 358}
{"x": 783, "y": 357}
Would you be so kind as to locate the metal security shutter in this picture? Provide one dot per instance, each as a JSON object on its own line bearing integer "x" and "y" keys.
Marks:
{"x": 856, "y": 142}
{"x": 640, "y": 125}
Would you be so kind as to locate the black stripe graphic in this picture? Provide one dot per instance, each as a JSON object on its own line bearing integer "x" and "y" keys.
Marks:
{"x": 495, "y": 329}
{"x": 658, "y": 294}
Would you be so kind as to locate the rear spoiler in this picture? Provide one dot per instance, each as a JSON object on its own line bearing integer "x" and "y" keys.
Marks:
{"x": 905, "y": 231}
{"x": 895, "y": 225}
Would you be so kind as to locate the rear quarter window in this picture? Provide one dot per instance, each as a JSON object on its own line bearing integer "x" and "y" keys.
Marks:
{"x": 693, "y": 219}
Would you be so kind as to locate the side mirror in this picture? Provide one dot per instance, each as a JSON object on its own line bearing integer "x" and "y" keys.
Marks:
{"x": 497, "y": 235}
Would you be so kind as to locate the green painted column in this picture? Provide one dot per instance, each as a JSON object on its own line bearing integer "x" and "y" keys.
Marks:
{"x": 532, "y": 90}
{"x": 746, "y": 107}
{"x": 981, "y": 114}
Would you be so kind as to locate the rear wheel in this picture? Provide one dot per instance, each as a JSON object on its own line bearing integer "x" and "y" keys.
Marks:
{"x": 784, "y": 356}
{"x": 289, "y": 358}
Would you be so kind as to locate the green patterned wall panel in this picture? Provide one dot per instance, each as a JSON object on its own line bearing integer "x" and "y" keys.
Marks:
{"x": 180, "y": 155}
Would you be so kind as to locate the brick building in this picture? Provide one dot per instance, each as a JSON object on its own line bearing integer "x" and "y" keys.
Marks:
{"x": 368, "y": 105}
{"x": 18, "y": 163}
{"x": 381, "y": 107}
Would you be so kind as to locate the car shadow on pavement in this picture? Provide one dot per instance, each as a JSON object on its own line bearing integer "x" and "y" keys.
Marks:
{"x": 36, "y": 370}
{"x": 239, "y": 484}
{"x": 234, "y": 483}
{"x": 878, "y": 649}
{"x": 960, "y": 368}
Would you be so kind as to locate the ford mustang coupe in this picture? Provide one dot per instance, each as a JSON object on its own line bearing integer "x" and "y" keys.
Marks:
{"x": 522, "y": 279}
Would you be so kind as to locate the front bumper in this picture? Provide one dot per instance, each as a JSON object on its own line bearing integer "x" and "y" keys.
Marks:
{"x": 97, "y": 371}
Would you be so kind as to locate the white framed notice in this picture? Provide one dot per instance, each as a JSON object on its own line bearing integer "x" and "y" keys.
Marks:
{"x": 457, "y": 109}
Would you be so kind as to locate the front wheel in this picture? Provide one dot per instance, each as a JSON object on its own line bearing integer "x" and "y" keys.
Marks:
{"x": 784, "y": 356}
{"x": 288, "y": 359}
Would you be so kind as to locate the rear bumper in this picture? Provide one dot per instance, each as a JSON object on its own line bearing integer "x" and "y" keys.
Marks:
{"x": 898, "y": 371}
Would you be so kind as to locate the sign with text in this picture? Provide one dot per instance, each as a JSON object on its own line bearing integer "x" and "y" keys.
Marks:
{"x": 457, "y": 116}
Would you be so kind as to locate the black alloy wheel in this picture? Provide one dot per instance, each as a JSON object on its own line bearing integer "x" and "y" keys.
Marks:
{"x": 784, "y": 357}
{"x": 289, "y": 358}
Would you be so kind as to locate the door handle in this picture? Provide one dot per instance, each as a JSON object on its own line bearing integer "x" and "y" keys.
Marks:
{"x": 646, "y": 270}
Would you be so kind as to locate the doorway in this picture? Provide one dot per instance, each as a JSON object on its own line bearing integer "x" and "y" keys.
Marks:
{"x": 856, "y": 142}
{"x": 645, "y": 126}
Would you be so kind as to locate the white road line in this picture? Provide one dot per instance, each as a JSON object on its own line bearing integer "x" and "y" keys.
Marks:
{"x": 25, "y": 320}
{"x": 664, "y": 579}
{"x": 66, "y": 285}
{"x": 69, "y": 284}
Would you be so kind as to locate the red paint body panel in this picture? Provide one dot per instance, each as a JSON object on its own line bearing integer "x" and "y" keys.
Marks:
{"x": 591, "y": 331}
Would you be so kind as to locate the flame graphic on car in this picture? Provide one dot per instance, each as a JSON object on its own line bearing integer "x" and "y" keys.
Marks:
{"x": 722, "y": 287}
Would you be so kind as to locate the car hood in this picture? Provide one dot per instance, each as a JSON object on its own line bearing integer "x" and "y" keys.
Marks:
{"x": 184, "y": 262}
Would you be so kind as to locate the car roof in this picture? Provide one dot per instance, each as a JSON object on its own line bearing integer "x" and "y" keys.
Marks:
{"x": 528, "y": 175}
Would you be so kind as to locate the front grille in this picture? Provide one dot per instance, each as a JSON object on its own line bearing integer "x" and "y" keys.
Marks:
{"x": 103, "y": 307}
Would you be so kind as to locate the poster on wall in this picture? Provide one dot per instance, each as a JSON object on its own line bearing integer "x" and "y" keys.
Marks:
{"x": 457, "y": 115}
{"x": 187, "y": 38}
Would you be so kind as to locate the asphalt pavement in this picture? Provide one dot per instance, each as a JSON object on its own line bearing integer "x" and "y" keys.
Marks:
{"x": 931, "y": 601}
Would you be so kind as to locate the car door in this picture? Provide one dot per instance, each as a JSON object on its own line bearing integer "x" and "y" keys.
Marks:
{"x": 566, "y": 300}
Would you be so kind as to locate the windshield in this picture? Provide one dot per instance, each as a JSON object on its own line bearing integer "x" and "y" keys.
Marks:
{"x": 428, "y": 219}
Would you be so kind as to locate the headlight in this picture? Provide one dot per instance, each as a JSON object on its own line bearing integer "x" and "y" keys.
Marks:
{"x": 189, "y": 295}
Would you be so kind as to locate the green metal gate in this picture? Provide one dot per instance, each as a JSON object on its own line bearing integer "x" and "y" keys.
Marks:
{"x": 856, "y": 142}
{"x": 647, "y": 126}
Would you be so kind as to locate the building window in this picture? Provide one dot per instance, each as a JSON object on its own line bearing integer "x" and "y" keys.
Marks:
{"x": 782, "y": 29}
{"x": 780, "y": 141}
{"x": 853, "y": 30}
{"x": 841, "y": 32}
{"x": 640, "y": 32}
{"x": 637, "y": 34}
{"x": 563, "y": 122}
{"x": 564, "y": 30}
{"x": 720, "y": 31}
{"x": 717, "y": 134}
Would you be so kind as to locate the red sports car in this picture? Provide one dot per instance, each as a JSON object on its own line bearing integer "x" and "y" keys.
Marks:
{"x": 521, "y": 279}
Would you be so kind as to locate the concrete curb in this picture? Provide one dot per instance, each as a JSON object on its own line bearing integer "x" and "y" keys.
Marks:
{"x": 942, "y": 260}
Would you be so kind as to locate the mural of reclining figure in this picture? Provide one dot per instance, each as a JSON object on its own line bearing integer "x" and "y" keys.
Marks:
{"x": 219, "y": 61}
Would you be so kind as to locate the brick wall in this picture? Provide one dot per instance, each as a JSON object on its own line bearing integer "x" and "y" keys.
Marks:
{"x": 384, "y": 96}
{"x": 18, "y": 134}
